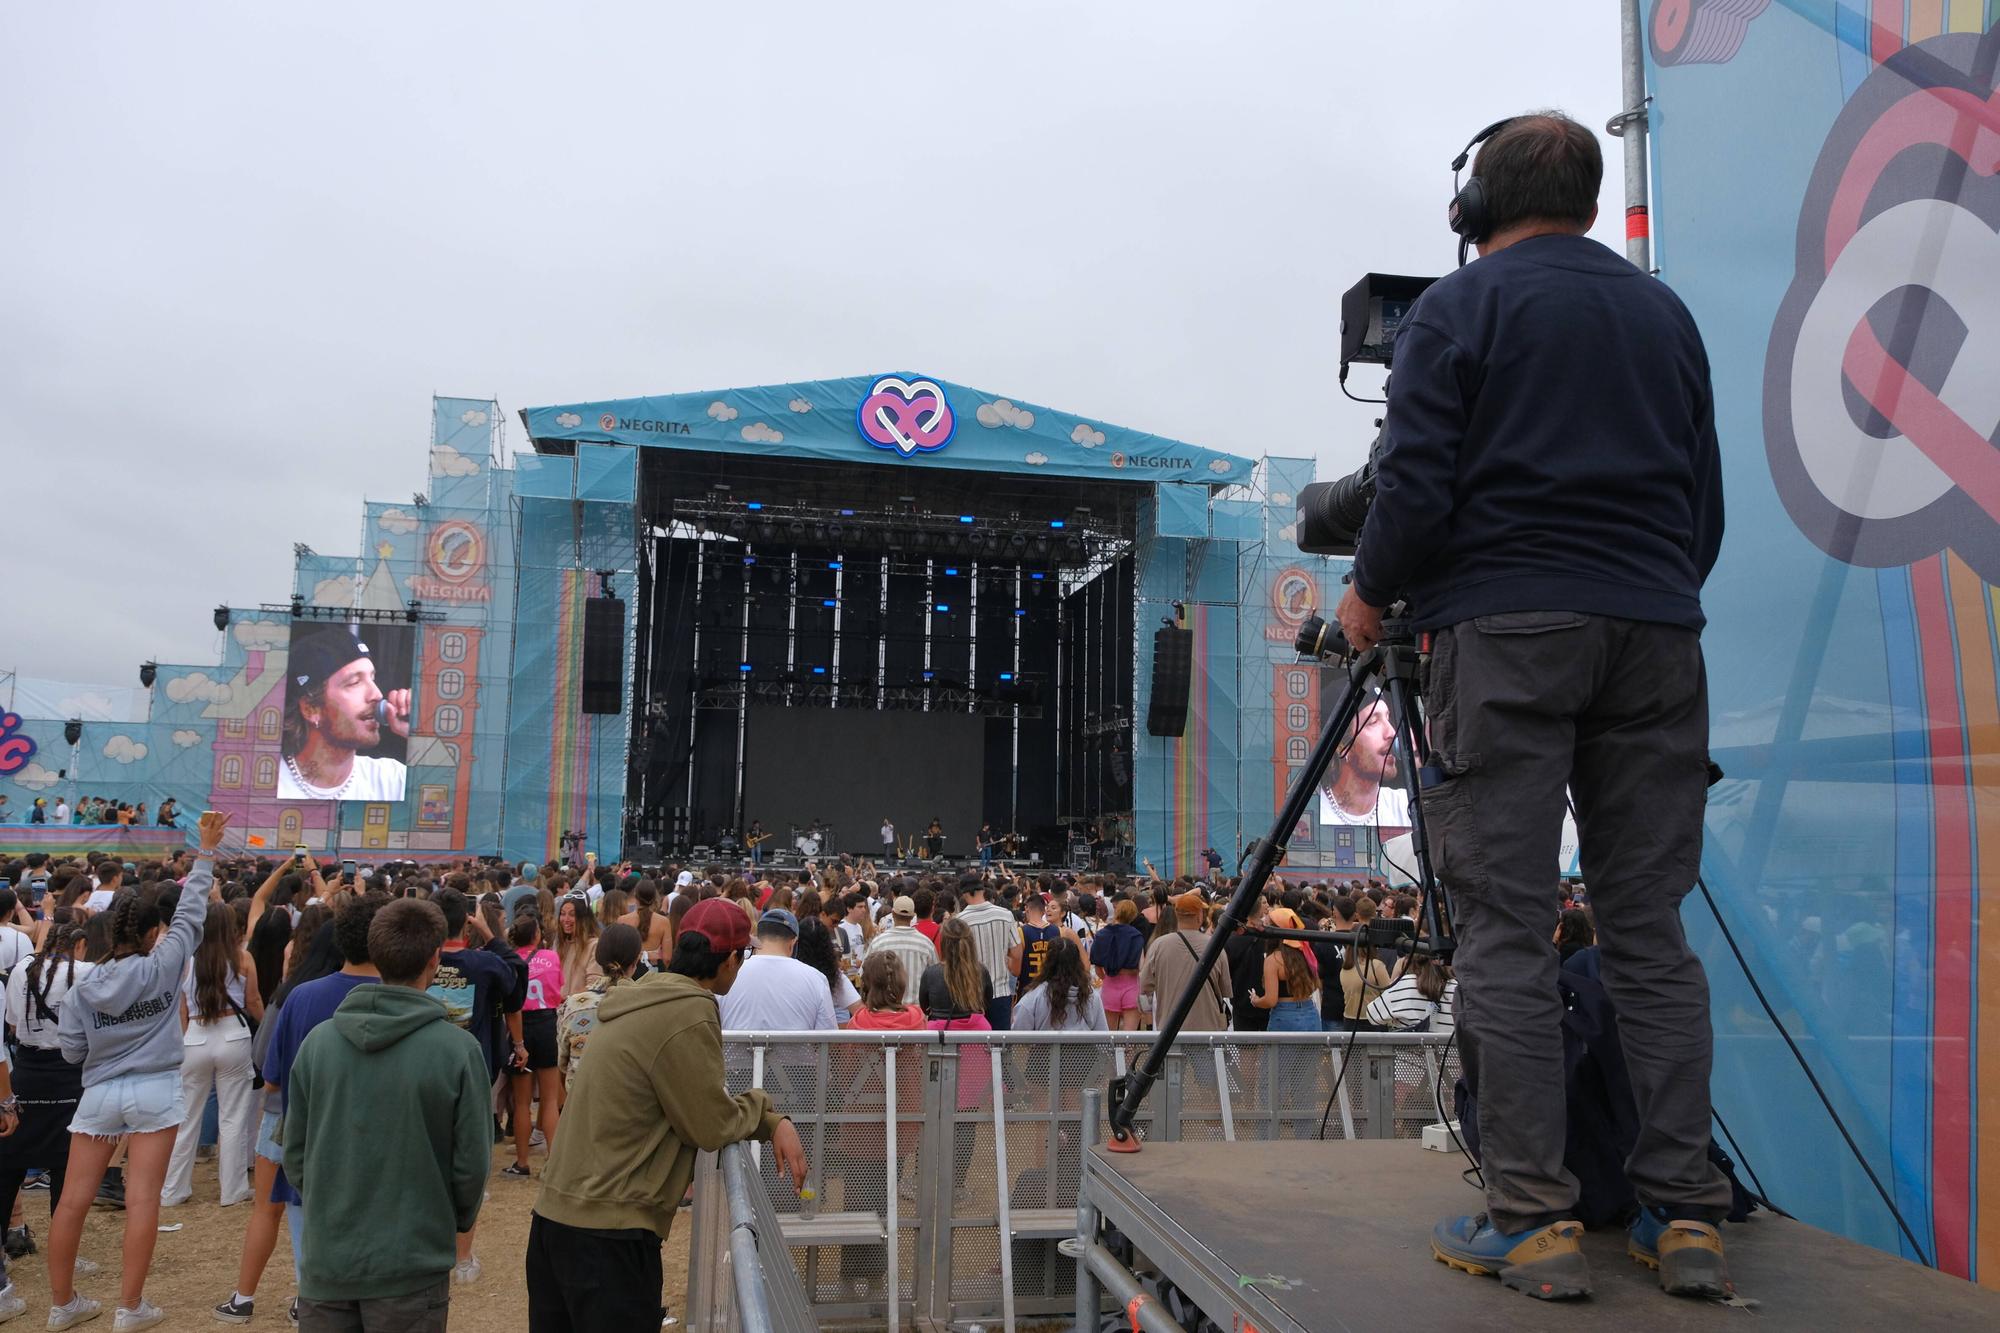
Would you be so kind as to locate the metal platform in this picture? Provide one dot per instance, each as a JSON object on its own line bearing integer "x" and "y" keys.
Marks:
{"x": 1315, "y": 1237}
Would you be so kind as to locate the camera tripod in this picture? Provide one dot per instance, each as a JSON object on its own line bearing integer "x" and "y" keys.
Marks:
{"x": 1391, "y": 667}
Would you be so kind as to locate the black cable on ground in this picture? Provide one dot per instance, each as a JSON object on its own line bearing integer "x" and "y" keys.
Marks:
{"x": 1888, "y": 1201}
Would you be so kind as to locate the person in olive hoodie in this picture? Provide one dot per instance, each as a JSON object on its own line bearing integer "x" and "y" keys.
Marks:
{"x": 388, "y": 1115}
{"x": 649, "y": 1098}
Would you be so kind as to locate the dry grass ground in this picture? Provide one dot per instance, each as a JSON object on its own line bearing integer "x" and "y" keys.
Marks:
{"x": 195, "y": 1267}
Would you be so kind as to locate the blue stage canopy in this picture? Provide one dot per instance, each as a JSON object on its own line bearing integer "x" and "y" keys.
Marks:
{"x": 903, "y": 420}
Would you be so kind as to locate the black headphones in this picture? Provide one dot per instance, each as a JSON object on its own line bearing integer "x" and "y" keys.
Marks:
{"x": 1467, "y": 213}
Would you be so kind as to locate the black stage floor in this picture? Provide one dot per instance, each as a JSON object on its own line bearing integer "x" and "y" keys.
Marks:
{"x": 1327, "y": 1236}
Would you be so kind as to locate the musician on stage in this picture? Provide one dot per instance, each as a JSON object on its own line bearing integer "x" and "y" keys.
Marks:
{"x": 985, "y": 846}
{"x": 934, "y": 839}
{"x": 888, "y": 839}
{"x": 754, "y": 839}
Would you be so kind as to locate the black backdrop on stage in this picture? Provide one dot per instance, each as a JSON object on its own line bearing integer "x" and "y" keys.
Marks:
{"x": 854, "y": 767}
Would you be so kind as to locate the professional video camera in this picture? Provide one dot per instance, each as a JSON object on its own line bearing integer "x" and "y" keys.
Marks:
{"x": 1330, "y": 513}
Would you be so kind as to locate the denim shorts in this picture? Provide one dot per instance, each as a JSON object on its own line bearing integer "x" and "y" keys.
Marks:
{"x": 268, "y": 1146}
{"x": 129, "y": 1104}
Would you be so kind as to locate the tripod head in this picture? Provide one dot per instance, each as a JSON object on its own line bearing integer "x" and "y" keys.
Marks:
{"x": 1324, "y": 642}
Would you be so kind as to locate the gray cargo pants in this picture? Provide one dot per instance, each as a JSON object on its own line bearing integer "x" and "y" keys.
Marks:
{"x": 1521, "y": 706}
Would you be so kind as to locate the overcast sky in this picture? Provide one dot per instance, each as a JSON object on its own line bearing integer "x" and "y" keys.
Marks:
{"x": 244, "y": 243}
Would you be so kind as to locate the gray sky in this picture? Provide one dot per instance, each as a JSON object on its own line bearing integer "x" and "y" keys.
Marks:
{"x": 245, "y": 242}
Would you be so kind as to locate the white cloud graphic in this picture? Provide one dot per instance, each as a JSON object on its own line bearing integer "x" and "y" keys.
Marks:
{"x": 473, "y": 416}
{"x": 1218, "y": 466}
{"x": 1290, "y": 532}
{"x": 1000, "y": 413}
{"x": 336, "y": 591}
{"x": 396, "y": 521}
{"x": 124, "y": 749}
{"x": 36, "y": 778}
{"x": 199, "y": 687}
{"x": 568, "y": 420}
{"x": 185, "y": 738}
{"x": 449, "y": 462}
{"x": 759, "y": 433}
{"x": 721, "y": 411}
{"x": 1085, "y": 436}
{"x": 1036, "y": 459}
{"x": 799, "y": 405}
{"x": 1281, "y": 498}
{"x": 261, "y": 633}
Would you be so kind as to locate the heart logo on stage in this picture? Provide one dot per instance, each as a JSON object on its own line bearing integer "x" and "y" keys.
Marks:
{"x": 908, "y": 415}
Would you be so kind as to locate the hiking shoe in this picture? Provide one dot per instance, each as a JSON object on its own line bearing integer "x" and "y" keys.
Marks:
{"x": 11, "y": 1303}
{"x": 80, "y": 1310}
{"x": 1687, "y": 1254}
{"x": 110, "y": 1194}
{"x": 20, "y": 1242}
{"x": 1545, "y": 1262}
{"x": 145, "y": 1315}
{"x": 466, "y": 1270}
{"x": 516, "y": 1170}
{"x": 236, "y": 1310}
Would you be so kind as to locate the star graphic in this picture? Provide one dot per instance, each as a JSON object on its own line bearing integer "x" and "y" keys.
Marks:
{"x": 385, "y": 549}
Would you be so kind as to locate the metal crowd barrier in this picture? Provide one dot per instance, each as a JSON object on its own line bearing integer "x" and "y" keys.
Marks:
{"x": 925, "y": 1150}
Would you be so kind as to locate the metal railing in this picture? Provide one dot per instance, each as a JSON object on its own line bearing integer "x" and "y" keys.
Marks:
{"x": 944, "y": 1166}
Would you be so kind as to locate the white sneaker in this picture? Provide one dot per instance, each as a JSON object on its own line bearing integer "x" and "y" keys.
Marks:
{"x": 535, "y": 1140}
{"x": 11, "y": 1303}
{"x": 466, "y": 1270}
{"x": 87, "y": 1267}
{"x": 80, "y": 1310}
{"x": 147, "y": 1315}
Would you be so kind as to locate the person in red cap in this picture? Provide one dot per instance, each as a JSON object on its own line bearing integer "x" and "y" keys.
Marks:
{"x": 649, "y": 1098}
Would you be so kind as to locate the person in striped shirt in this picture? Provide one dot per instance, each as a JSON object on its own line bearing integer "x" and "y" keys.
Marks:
{"x": 1423, "y": 998}
{"x": 903, "y": 939}
{"x": 996, "y": 937}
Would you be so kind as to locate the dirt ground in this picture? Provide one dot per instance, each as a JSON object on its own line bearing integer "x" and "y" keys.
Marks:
{"x": 195, "y": 1268}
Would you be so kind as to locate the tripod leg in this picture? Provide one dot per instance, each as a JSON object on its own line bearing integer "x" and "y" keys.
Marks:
{"x": 1412, "y": 754}
{"x": 1127, "y": 1093}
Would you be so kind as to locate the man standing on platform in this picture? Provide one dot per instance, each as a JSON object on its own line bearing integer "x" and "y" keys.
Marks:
{"x": 1549, "y": 505}
{"x": 888, "y": 842}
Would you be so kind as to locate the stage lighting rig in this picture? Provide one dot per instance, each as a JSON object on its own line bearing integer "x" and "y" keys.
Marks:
{"x": 221, "y": 618}
{"x": 148, "y": 672}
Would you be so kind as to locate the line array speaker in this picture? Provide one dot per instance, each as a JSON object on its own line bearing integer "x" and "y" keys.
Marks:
{"x": 1173, "y": 670}
{"x": 603, "y": 655}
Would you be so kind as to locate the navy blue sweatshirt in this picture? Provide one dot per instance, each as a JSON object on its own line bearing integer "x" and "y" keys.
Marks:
{"x": 1549, "y": 446}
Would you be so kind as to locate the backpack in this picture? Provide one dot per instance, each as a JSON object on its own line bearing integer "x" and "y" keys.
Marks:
{"x": 1603, "y": 1118}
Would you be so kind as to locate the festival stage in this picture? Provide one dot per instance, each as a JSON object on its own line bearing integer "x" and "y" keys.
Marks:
{"x": 1314, "y": 1237}
{"x": 148, "y": 842}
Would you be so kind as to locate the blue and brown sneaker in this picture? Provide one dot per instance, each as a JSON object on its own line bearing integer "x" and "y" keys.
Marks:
{"x": 1545, "y": 1262}
{"x": 1688, "y": 1254}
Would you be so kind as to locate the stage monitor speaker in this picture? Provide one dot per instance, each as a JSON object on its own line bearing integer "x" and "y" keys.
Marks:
{"x": 603, "y": 655}
{"x": 1173, "y": 670}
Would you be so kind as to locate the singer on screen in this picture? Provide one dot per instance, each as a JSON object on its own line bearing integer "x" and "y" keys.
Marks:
{"x": 335, "y": 713}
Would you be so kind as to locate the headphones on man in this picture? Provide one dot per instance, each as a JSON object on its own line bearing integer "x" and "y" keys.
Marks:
{"x": 1467, "y": 214}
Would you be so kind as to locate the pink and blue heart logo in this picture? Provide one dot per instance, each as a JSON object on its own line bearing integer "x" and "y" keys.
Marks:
{"x": 908, "y": 414}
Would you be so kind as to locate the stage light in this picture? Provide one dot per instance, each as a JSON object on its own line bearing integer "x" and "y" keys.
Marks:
{"x": 965, "y": 518}
{"x": 1020, "y": 610}
{"x": 73, "y": 729}
{"x": 147, "y": 671}
{"x": 754, "y": 505}
{"x": 928, "y": 677}
{"x": 414, "y": 612}
{"x": 1041, "y": 548}
{"x": 819, "y": 671}
{"x": 797, "y": 527}
{"x": 221, "y": 618}
{"x": 745, "y": 668}
{"x": 739, "y": 527}
{"x": 847, "y": 513}
{"x": 951, "y": 572}
{"x": 829, "y": 602}
{"x": 1057, "y": 523}
{"x": 833, "y": 564}
{"x": 1038, "y": 575}
{"x": 749, "y": 559}
{"x": 298, "y": 605}
{"x": 1006, "y": 675}
{"x": 941, "y": 607}
{"x": 1018, "y": 541}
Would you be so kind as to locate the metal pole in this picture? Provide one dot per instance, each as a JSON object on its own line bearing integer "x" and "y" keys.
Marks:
{"x": 746, "y": 1268}
{"x": 1146, "y": 1314}
{"x": 1000, "y": 1189}
{"x": 1630, "y": 125}
{"x": 892, "y": 1172}
{"x": 1087, "y": 1303}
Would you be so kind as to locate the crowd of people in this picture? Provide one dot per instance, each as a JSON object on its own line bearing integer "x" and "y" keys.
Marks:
{"x": 140, "y": 995}
{"x": 95, "y": 810}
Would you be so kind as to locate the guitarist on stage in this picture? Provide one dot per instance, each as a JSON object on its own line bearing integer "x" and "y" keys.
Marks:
{"x": 934, "y": 839}
{"x": 986, "y": 841}
{"x": 755, "y": 840}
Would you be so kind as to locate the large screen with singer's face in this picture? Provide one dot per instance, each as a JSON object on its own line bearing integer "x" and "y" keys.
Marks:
{"x": 1364, "y": 787}
{"x": 347, "y": 712}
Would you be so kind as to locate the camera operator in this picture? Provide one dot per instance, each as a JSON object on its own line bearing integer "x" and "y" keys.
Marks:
{"x": 1549, "y": 503}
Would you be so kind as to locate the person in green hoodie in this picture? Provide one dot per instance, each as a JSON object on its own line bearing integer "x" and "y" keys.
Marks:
{"x": 388, "y": 1114}
{"x": 649, "y": 1098}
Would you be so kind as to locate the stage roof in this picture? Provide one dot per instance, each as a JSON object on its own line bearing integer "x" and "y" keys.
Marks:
{"x": 891, "y": 419}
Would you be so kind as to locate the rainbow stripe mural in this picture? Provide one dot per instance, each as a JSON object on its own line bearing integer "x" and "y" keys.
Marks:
{"x": 569, "y": 737}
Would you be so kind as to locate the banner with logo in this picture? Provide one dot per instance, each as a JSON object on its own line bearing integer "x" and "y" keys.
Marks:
{"x": 900, "y": 419}
{"x": 1828, "y": 205}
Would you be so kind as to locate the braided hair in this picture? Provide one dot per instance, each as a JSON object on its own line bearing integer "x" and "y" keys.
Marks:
{"x": 58, "y": 945}
{"x": 134, "y": 914}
